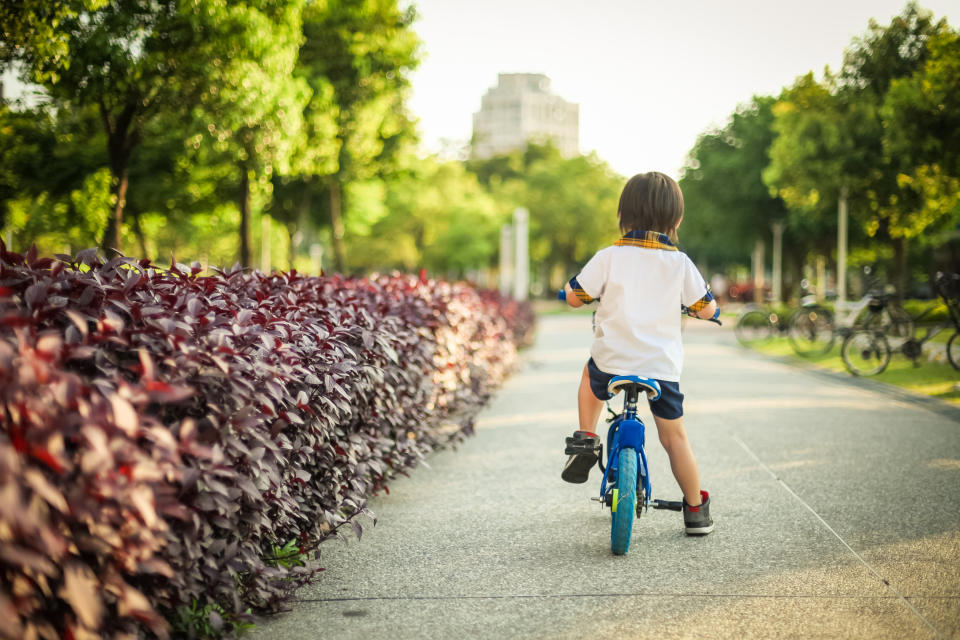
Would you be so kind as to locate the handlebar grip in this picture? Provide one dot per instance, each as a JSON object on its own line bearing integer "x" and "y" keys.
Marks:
{"x": 716, "y": 317}
{"x": 562, "y": 295}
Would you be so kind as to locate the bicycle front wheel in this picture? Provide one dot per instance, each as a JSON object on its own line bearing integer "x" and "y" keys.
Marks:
{"x": 753, "y": 327}
{"x": 865, "y": 352}
{"x": 899, "y": 323}
{"x": 624, "y": 502}
{"x": 811, "y": 331}
{"x": 953, "y": 351}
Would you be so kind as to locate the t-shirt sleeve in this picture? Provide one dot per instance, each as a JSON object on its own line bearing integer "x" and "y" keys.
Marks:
{"x": 593, "y": 276}
{"x": 694, "y": 286}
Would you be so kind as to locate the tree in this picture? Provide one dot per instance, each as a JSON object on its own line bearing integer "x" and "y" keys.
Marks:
{"x": 573, "y": 211}
{"x": 366, "y": 50}
{"x": 54, "y": 191}
{"x": 252, "y": 112}
{"x": 120, "y": 57}
{"x": 729, "y": 206}
{"x": 31, "y": 28}
{"x": 435, "y": 216}
{"x": 572, "y": 204}
{"x": 820, "y": 145}
{"x": 871, "y": 65}
{"x": 831, "y": 135}
{"x": 921, "y": 115}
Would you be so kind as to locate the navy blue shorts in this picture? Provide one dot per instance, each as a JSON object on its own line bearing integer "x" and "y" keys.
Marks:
{"x": 668, "y": 407}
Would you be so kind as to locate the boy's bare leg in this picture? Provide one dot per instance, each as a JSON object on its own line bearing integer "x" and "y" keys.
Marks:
{"x": 673, "y": 437}
{"x": 588, "y": 405}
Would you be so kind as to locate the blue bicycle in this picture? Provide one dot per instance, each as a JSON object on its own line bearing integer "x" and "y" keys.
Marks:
{"x": 625, "y": 486}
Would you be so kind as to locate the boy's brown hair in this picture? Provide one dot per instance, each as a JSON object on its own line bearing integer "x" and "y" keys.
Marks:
{"x": 650, "y": 202}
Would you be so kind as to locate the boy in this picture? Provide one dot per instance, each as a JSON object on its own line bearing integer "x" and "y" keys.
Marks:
{"x": 641, "y": 282}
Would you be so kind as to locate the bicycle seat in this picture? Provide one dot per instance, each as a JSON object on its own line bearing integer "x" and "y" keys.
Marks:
{"x": 650, "y": 386}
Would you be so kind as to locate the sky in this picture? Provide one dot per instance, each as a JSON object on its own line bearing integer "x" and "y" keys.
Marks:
{"x": 649, "y": 76}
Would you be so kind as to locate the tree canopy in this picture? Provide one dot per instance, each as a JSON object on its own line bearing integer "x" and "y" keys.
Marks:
{"x": 728, "y": 206}
{"x": 210, "y": 129}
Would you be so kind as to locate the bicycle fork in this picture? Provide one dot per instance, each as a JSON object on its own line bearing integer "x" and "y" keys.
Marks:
{"x": 628, "y": 433}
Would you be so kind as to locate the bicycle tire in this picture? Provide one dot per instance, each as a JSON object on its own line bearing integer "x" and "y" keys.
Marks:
{"x": 623, "y": 508}
{"x": 753, "y": 327}
{"x": 811, "y": 331}
{"x": 865, "y": 352}
{"x": 953, "y": 351}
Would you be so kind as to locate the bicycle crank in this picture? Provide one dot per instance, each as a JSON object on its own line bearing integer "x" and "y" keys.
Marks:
{"x": 912, "y": 349}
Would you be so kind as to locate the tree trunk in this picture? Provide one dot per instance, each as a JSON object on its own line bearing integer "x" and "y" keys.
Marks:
{"x": 122, "y": 137}
{"x": 244, "y": 216}
{"x": 111, "y": 236}
{"x": 336, "y": 224}
{"x": 758, "y": 267}
{"x": 141, "y": 238}
{"x": 303, "y": 210}
{"x": 899, "y": 267}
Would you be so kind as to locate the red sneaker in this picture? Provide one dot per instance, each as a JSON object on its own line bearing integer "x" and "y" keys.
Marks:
{"x": 697, "y": 520}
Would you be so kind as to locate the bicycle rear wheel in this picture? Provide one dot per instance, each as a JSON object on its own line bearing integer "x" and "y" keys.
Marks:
{"x": 624, "y": 502}
{"x": 865, "y": 352}
{"x": 811, "y": 331}
{"x": 753, "y": 327}
{"x": 953, "y": 351}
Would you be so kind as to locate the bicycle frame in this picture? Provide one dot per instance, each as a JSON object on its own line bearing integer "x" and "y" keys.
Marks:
{"x": 848, "y": 312}
{"x": 627, "y": 431}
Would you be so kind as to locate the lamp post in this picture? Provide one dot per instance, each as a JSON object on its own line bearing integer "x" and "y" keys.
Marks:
{"x": 842, "y": 245}
{"x": 506, "y": 259}
{"x": 521, "y": 232}
{"x": 778, "y": 262}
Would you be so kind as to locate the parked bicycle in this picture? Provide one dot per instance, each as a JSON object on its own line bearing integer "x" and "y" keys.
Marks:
{"x": 814, "y": 328}
{"x": 758, "y": 324}
{"x": 866, "y": 351}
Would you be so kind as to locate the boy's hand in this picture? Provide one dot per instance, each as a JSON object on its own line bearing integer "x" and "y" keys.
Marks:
{"x": 710, "y": 312}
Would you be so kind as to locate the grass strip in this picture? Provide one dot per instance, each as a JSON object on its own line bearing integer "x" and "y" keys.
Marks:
{"x": 935, "y": 379}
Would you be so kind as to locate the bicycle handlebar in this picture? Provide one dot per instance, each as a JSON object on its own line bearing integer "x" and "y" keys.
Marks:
{"x": 562, "y": 296}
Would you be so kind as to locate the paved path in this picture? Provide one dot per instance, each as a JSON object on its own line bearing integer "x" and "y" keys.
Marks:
{"x": 837, "y": 514}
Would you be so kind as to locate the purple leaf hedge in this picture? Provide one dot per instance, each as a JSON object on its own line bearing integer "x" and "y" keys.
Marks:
{"x": 163, "y": 432}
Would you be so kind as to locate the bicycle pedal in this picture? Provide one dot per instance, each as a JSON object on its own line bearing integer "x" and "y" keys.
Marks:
{"x": 575, "y": 446}
{"x": 668, "y": 504}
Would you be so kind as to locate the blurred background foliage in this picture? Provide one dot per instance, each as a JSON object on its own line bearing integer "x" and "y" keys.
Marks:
{"x": 276, "y": 133}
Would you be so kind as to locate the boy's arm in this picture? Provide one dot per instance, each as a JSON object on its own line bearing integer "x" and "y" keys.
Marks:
{"x": 572, "y": 298}
{"x": 576, "y": 296}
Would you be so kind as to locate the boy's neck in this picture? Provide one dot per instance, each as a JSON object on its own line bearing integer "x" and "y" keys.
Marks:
{"x": 647, "y": 240}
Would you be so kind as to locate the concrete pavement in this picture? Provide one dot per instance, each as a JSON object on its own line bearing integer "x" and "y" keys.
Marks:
{"x": 837, "y": 511}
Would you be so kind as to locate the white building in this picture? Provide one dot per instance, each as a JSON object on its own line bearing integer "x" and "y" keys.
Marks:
{"x": 521, "y": 109}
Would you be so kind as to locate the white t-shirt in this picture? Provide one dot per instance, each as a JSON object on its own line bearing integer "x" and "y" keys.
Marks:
{"x": 638, "y": 319}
